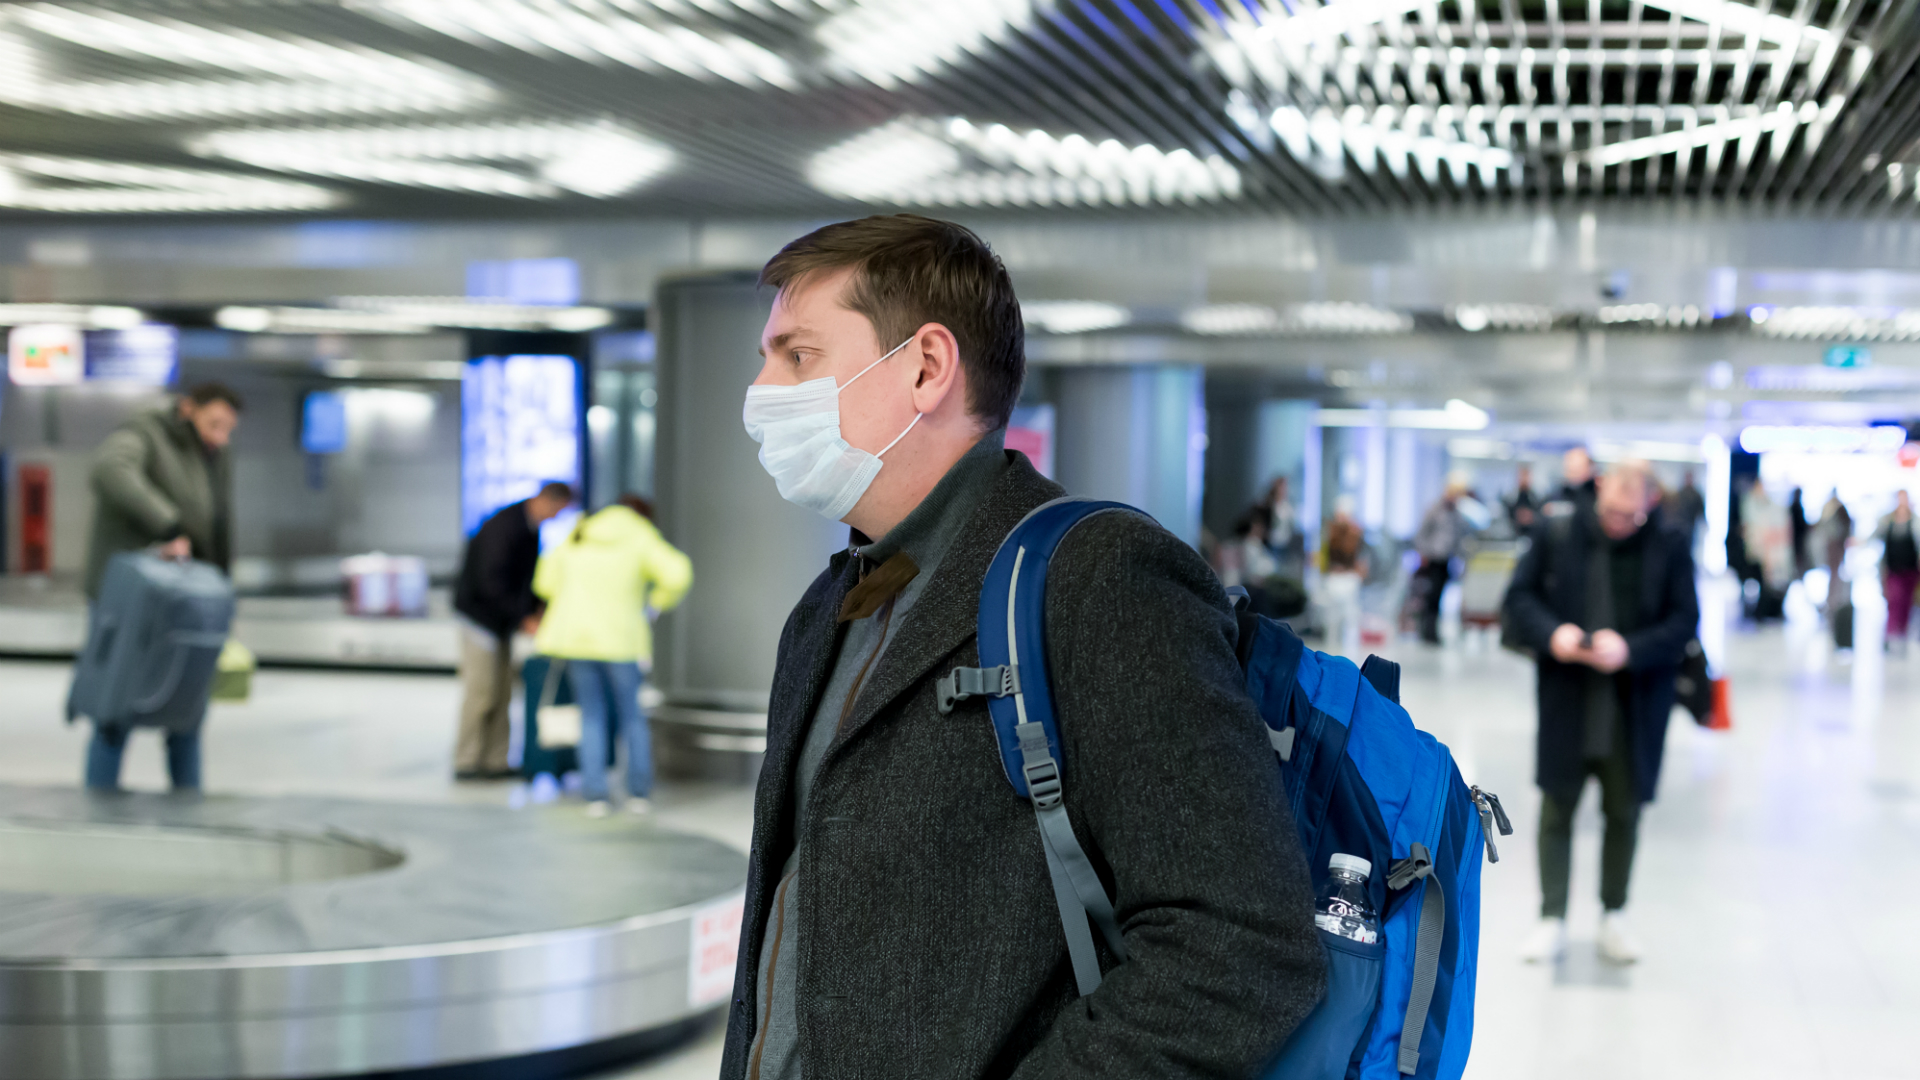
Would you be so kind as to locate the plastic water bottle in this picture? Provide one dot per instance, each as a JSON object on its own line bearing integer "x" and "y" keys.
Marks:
{"x": 1342, "y": 906}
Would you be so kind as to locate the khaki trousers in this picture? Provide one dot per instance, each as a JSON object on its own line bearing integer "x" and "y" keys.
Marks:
{"x": 486, "y": 689}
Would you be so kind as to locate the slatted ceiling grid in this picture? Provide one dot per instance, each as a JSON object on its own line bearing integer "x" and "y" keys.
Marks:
{"x": 1357, "y": 107}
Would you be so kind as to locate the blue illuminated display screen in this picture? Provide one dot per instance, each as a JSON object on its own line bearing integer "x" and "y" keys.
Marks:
{"x": 519, "y": 427}
{"x": 148, "y": 354}
{"x": 323, "y": 422}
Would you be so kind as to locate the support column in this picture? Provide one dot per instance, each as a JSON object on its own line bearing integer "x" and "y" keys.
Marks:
{"x": 1137, "y": 435}
{"x": 753, "y": 552}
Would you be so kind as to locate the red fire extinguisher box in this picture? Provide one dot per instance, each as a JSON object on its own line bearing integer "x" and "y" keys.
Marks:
{"x": 36, "y": 519}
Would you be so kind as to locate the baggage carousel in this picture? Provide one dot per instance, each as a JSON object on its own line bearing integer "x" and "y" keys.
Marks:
{"x": 154, "y": 937}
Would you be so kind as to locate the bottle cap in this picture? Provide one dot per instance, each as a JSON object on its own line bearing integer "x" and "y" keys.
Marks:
{"x": 1352, "y": 863}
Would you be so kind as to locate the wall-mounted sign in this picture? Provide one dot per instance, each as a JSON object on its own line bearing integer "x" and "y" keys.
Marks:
{"x": 148, "y": 354}
{"x": 1847, "y": 356}
{"x": 46, "y": 354}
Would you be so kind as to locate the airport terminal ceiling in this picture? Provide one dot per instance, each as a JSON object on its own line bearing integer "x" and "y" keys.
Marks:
{"x": 425, "y": 108}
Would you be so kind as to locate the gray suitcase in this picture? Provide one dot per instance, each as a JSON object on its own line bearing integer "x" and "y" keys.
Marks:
{"x": 152, "y": 644}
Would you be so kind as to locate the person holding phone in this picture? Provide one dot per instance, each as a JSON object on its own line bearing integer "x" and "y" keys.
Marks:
{"x": 1605, "y": 600}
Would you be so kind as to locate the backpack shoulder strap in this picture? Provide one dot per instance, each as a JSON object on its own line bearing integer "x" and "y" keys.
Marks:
{"x": 1013, "y": 677}
{"x": 1384, "y": 674}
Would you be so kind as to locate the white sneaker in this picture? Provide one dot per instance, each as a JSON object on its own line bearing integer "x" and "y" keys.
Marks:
{"x": 598, "y": 808}
{"x": 1547, "y": 942}
{"x": 1617, "y": 944}
{"x": 639, "y": 805}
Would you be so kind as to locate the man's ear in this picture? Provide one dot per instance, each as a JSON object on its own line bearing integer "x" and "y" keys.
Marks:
{"x": 939, "y": 376}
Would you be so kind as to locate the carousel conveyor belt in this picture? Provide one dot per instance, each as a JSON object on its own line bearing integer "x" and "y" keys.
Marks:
{"x": 155, "y": 937}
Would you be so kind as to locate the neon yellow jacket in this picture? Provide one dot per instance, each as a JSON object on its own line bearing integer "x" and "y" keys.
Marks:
{"x": 599, "y": 583}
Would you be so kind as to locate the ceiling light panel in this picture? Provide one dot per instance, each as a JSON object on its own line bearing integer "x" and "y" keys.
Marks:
{"x": 1073, "y": 316}
{"x": 1706, "y": 96}
{"x": 280, "y": 75}
{"x": 636, "y": 34}
{"x": 90, "y": 186}
{"x": 888, "y": 42}
{"x": 1837, "y": 323}
{"x": 521, "y": 160}
{"x": 1317, "y": 318}
{"x": 915, "y": 161}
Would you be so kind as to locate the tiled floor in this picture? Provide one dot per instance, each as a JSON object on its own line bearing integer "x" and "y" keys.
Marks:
{"x": 1811, "y": 805}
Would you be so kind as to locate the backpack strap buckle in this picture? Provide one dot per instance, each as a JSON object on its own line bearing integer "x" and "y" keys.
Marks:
{"x": 964, "y": 682}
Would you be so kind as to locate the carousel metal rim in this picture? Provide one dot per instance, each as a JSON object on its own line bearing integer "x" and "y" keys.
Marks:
{"x": 372, "y": 954}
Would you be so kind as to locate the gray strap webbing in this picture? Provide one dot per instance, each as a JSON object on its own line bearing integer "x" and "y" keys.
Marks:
{"x": 1076, "y": 887}
{"x": 1282, "y": 742}
{"x": 1426, "y": 968}
{"x": 1073, "y": 918}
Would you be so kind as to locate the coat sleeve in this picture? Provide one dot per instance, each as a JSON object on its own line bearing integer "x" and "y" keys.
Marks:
{"x": 1663, "y": 642}
{"x": 120, "y": 481}
{"x": 670, "y": 575}
{"x": 1528, "y": 606}
{"x": 1173, "y": 791}
{"x": 549, "y": 573}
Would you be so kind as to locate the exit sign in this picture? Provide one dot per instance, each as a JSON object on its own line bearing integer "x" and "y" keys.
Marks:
{"x": 1852, "y": 356}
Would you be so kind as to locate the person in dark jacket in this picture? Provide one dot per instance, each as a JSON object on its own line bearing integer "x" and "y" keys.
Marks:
{"x": 1605, "y": 600}
{"x": 494, "y": 596}
{"x": 162, "y": 481}
{"x": 899, "y": 917}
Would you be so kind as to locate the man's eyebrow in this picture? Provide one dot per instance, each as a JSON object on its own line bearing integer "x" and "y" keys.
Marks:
{"x": 779, "y": 341}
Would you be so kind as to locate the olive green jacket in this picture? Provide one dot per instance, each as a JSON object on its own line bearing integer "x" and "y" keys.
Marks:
{"x": 153, "y": 480}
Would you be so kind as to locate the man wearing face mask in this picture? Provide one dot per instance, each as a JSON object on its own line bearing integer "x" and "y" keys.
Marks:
{"x": 900, "y": 918}
{"x": 1605, "y": 598}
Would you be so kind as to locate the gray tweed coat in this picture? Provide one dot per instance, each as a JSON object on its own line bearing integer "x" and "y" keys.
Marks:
{"x": 930, "y": 945}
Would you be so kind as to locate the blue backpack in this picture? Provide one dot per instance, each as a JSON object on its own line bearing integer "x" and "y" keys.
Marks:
{"x": 1360, "y": 779}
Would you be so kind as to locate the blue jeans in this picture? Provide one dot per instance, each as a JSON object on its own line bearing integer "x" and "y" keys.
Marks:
{"x": 109, "y": 747}
{"x": 609, "y": 693}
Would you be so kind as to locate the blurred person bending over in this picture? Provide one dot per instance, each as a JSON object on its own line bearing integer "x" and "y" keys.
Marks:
{"x": 1343, "y": 568}
{"x": 601, "y": 587}
{"x": 900, "y": 919}
{"x": 494, "y": 596}
{"x": 1605, "y": 599}
{"x": 1900, "y": 568}
{"x": 1437, "y": 541}
{"x": 163, "y": 479}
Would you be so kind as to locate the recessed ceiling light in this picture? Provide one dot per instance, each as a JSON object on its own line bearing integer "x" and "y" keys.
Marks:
{"x": 887, "y": 42}
{"x": 917, "y": 161}
{"x": 1073, "y": 316}
{"x": 92, "y": 186}
{"x": 280, "y": 76}
{"x": 635, "y": 33}
{"x": 596, "y": 160}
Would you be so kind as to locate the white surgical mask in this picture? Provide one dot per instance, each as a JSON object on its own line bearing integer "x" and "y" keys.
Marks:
{"x": 798, "y": 429}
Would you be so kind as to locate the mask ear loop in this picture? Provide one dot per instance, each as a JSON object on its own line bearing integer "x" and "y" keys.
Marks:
{"x": 902, "y": 435}
{"x": 876, "y": 363}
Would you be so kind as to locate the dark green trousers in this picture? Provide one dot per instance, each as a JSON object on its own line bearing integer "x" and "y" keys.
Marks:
{"x": 1620, "y": 806}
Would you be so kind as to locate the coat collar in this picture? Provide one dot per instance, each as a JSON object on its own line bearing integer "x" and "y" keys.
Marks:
{"x": 947, "y": 613}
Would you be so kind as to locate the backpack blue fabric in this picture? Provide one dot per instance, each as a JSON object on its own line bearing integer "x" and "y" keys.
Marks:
{"x": 1360, "y": 779}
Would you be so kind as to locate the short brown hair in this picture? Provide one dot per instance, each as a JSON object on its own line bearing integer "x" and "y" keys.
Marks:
{"x": 911, "y": 270}
{"x": 203, "y": 393}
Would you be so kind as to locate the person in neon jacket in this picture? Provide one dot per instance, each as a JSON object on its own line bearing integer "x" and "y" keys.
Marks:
{"x": 602, "y": 585}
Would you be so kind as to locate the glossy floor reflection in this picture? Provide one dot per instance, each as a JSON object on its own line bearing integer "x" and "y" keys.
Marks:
{"x": 1768, "y": 889}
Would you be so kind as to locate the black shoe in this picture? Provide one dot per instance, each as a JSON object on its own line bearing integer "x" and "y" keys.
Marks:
{"x": 464, "y": 775}
{"x": 501, "y": 774}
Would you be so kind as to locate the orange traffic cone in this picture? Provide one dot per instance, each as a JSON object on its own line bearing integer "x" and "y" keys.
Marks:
{"x": 1721, "y": 719}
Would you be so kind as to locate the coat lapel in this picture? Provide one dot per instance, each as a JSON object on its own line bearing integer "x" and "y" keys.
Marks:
{"x": 947, "y": 612}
